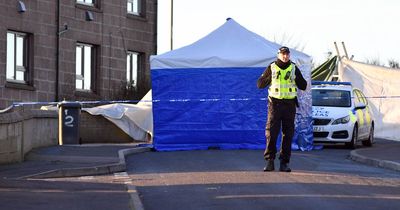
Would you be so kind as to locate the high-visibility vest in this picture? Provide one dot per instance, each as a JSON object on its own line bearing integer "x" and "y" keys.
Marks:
{"x": 283, "y": 85}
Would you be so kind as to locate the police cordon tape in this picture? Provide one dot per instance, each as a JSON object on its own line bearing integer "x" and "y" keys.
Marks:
{"x": 137, "y": 101}
{"x": 104, "y": 102}
{"x": 383, "y": 97}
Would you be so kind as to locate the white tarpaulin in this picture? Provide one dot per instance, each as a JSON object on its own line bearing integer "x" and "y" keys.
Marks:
{"x": 134, "y": 119}
{"x": 382, "y": 89}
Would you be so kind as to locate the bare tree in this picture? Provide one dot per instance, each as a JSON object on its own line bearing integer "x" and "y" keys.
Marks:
{"x": 328, "y": 54}
{"x": 374, "y": 61}
{"x": 394, "y": 64}
{"x": 287, "y": 40}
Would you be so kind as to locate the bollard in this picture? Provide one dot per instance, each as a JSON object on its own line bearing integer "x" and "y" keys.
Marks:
{"x": 68, "y": 122}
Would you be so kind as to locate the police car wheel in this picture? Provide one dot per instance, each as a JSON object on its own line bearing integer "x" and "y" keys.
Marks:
{"x": 368, "y": 142}
{"x": 352, "y": 143}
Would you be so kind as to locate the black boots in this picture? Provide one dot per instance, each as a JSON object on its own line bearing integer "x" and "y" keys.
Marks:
{"x": 284, "y": 167}
{"x": 270, "y": 166}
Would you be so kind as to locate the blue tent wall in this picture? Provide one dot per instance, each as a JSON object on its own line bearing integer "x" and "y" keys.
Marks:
{"x": 205, "y": 94}
{"x": 212, "y": 107}
{"x": 215, "y": 107}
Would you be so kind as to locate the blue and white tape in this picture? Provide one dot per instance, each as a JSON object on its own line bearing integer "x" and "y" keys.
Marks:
{"x": 172, "y": 100}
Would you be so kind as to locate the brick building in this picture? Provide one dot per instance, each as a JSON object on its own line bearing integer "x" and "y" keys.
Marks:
{"x": 52, "y": 50}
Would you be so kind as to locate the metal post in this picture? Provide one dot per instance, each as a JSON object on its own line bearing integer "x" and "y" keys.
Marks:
{"x": 337, "y": 50}
{"x": 345, "y": 51}
{"x": 172, "y": 23}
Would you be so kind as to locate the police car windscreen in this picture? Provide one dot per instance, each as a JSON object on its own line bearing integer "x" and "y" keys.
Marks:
{"x": 334, "y": 98}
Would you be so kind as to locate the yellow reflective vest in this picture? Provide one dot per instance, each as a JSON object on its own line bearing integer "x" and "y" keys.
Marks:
{"x": 283, "y": 84}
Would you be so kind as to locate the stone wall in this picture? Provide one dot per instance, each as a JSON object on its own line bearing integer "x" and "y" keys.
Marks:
{"x": 97, "y": 129}
{"x": 23, "y": 130}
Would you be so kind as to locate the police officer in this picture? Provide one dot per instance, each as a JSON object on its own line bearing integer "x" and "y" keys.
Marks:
{"x": 283, "y": 78}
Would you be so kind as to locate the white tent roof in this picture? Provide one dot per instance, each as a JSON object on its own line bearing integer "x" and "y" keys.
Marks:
{"x": 230, "y": 45}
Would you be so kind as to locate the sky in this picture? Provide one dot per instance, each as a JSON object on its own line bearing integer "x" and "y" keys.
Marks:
{"x": 370, "y": 29}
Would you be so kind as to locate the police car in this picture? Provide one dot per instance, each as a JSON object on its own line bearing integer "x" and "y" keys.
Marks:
{"x": 341, "y": 114}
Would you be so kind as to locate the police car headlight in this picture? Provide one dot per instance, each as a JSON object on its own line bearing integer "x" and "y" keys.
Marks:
{"x": 342, "y": 120}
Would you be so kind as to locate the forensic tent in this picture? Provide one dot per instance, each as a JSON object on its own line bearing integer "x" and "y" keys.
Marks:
{"x": 205, "y": 94}
{"x": 382, "y": 90}
{"x": 325, "y": 71}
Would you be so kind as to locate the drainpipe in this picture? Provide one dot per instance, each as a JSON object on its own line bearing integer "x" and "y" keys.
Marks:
{"x": 155, "y": 27}
{"x": 58, "y": 49}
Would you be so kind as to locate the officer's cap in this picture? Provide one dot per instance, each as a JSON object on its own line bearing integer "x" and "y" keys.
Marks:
{"x": 283, "y": 50}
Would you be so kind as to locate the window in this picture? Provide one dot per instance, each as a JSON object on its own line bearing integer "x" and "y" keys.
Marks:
{"x": 17, "y": 57}
{"x": 85, "y": 65}
{"x": 87, "y": 2}
{"x": 134, "y": 7}
{"x": 359, "y": 97}
{"x": 333, "y": 98}
{"x": 132, "y": 66}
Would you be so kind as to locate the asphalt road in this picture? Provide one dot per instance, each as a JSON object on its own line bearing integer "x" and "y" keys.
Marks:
{"x": 81, "y": 193}
{"x": 216, "y": 179}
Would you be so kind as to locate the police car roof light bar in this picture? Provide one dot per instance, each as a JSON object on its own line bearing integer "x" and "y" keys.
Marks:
{"x": 329, "y": 83}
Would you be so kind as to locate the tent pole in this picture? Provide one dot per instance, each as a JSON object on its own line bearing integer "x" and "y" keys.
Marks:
{"x": 345, "y": 51}
{"x": 172, "y": 23}
{"x": 337, "y": 50}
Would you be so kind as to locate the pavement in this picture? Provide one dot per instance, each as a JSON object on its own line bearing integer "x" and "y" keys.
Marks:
{"x": 384, "y": 154}
{"x": 98, "y": 159}
{"x": 19, "y": 180}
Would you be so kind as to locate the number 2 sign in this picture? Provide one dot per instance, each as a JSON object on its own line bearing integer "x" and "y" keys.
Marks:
{"x": 68, "y": 119}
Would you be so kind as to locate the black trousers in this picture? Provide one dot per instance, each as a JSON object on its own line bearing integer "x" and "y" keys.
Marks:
{"x": 281, "y": 113}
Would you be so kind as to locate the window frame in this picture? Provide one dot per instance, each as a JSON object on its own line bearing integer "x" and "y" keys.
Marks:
{"x": 141, "y": 9}
{"x": 139, "y": 61}
{"x": 130, "y": 11}
{"x": 83, "y": 73}
{"x": 82, "y": 2}
{"x": 27, "y": 62}
{"x": 360, "y": 96}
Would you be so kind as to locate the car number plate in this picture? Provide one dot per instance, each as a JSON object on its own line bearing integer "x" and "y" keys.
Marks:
{"x": 318, "y": 129}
